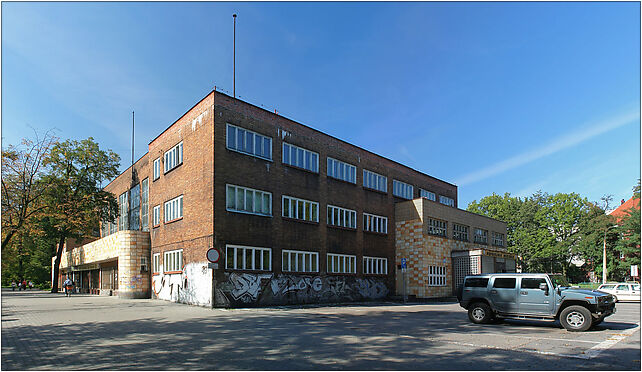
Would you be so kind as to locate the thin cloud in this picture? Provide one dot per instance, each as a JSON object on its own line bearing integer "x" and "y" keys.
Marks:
{"x": 561, "y": 143}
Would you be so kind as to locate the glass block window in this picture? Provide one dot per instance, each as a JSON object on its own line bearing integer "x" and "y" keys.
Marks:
{"x": 342, "y": 171}
{"x": 447, "y": 201}
{"x": 375, "y": 181}
{"x": 437, "y": 227}
{"x": 248, "y": 142}
{"x": 498, "y": 239}
{"x": 239, "y": 257}
{"x": 342, "y": 217}
{"x": 374, "y": 223}
{"x": 481, "y": 236}
{"x": 375, "y": 265}
{"x": 436, "y": 276}
{"x": 300, "y": 261}
{"x": 173, "y": 260}
{"x": 342, "y": 264}
{"x": 427, "y": 194}
{"x": 300, "y": 209}
{"x": 460, "y": 232}
{"x": 173, "y": 209}
{"x": 246, "y": 200}
{"x": 173, "y": 158}
{"x": 402, "y": 189}
{"x": 300, "y": 157}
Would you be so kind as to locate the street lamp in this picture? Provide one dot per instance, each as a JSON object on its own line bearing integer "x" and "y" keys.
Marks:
{"x": 604, "y": 255}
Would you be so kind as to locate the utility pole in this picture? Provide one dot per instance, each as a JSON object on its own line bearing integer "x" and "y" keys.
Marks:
{"x": 234, "y": 62}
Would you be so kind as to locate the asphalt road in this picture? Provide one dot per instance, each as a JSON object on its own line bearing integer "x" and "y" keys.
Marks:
{"x": 49, "y": 331}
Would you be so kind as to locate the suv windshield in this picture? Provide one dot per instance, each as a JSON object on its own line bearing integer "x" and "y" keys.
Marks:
{"x": 559, "y": 280}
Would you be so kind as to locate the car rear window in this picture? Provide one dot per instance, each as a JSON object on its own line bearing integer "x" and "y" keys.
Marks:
{"x": 476, "y": 282}
{"x": 504, "y": 283}
{"x": 623, "y": 287}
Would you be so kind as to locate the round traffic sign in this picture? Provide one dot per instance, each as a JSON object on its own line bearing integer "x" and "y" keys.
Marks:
{"x": 213, "y": 255}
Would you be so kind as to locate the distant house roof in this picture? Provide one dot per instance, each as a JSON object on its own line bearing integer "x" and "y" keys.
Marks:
{"x": 622, "y": 211}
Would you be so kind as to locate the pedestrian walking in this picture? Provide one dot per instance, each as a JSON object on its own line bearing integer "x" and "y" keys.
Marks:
{"x": 24, "y": 285}
{"x": 30, "y": 285}
{"x": 69, "y": 286}
{"x": 13, "y": 285}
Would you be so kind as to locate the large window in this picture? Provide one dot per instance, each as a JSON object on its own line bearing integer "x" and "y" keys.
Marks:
{"x": 374, "y": 223}
{"x": 300, "y": 209}
{"x": 342, "y": 264}
{"x": 173, "y": 209}
{"x": 427, "y": 194}
{"x": 437, "y": 227}
{"x": 134, "y": 207}
{"x": 248, "y": 142}
{"x": 460, "y": 232}
{"x": 447, "y": 201}
{"x": 300, "y": 157}
{"x": 246, "y": 200}
{"x": 342, "y": 217}
{"x": 123, "y": 206}
{"x": 481, "y": 236}
{"x": 402, "y": 189}
{"x": 173, "y": 260}
{"x": 156, "y": 216}
{"x": 375, "y": 265}
{"x": 144, "y": 204}
{"x": 498, "y": 239}
{"x": 173, "y": 158}
{"x": 342, "y": 171}
{"x": 436, "y": 276}
{"x": 375, "y": 181}
{"x": 239, "y": 257}
{"x": 156, "y": 263}
{"x": 156, "y": 168}
{"x": 300, "y": 261}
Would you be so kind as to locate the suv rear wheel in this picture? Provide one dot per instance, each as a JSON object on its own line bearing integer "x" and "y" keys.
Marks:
{"x": 576, "y": 318}
{"x": 480, "y": 313}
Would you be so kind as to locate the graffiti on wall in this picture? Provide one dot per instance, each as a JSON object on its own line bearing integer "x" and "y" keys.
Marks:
{"x": 193, "y": 285}
{"x": 269, "y": 289}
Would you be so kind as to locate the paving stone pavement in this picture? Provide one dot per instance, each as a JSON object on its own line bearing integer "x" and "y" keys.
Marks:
{"x": 47, "y": 331}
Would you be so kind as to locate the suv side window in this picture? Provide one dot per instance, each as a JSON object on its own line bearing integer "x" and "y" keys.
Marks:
{"x": 504, "y": 283}
{"x": 532, "y": 283}
{"x": 623, "y": 287}
{"x": 476, "y": 282}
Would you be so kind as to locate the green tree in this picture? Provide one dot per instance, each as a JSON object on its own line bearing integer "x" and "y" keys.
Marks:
{"x": 75, "y": 200}
{"x": 629, "y": 242}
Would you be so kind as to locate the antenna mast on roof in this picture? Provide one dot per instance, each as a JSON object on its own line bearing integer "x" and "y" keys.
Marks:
{"x": 234, "y": 62}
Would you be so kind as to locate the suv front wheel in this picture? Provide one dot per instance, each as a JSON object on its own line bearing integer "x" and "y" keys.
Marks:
{"x": 576, "y": 318}
{"x": 480, "y": 313}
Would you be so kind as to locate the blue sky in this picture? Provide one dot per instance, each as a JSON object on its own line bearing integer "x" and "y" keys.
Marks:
{"x": 494, "y": 97}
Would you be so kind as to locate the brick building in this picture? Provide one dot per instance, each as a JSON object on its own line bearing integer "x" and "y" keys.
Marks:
{"x": 297, "y": 215}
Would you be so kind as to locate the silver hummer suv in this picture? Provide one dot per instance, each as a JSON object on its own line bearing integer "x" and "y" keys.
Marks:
{"x": 545, "y": 297}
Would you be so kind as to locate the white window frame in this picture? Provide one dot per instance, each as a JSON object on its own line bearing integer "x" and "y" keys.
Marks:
{"x": 427, "y": 194}
{"x": 245, "y": 249}
{"x": 156, "y": 168}
{"x": 375, "y": 265}
{"x": 309, "y": 163}
{"x": 292, "y": 210}
{"x": 447, "y": 201}
{"x": 480, "y": 238}
{"x": 375, "y": 223}
{"x": 436, "y": 276}
{"x": 251, "y": 148}
{"x": 233, "y": 205}
{"x": 341, "y": 170}
{"x": 173, "y": 260}
{"x": 341, "y": 217}
{"x": 173, "y": 209}
{"x": 437, "y": 227}
{"x": 460, "y": 232}
{"x": 156, "y": 263}
{"x": 375, "y": 181}
{"x": 308, "y": 260}
{"x": 156, "y": 216}
{"x": 498, "y": 242}
{"x": 402, "y": 189}
{"x": 173, "y": 157}
{"x": 341, "y": 263}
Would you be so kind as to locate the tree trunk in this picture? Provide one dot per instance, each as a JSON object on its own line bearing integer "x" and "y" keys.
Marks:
{"x": 8, "y": 237}
{"x": 56, "y": 268}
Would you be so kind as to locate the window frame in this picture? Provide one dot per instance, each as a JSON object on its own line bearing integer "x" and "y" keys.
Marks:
{"x": 375, "y": 265}
{"x": 400, "y": 189}
{"x": 313, "y": 256}
{"x": 245, "y": 249}
{"x": 176, "y": 262}
{"x": 495, "y": 235}
{"x": 170, "y": 210}
{"x": 480, "y": 238}
{"x": 156, "y": 169}
{"x": 173, "y": 158}
{"x": 458, "y": 234}
{"x": 446, "y": 201}
{"x": 342, "y": 214}
{"x": 374, "y": 177}
{"x": 295, "y": 208}
{"x": 437, "y": 276}
{"x": 156, "y": 263}
{"x": 156, "y": 217}
{"x": 341, "y": 261}
{"x": 347, "y": 167}
{"x": 368, "y": 222}
{"x": 254, "y": 135}
{"x": 427, "y": 194}
{"x": 434, "y": 227}
{"x": 304, "y": 159}
{"x": 254, "y": 192}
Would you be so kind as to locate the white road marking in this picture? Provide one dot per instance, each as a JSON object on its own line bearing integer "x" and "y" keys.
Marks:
{"x": 604, "y": 345}
{"x": 553, "y": 339}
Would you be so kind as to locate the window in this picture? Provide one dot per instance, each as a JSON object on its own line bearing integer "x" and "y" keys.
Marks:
{"x": 173, "y": 209}
{"x": 173, "y": 260}
{"x": 498, "y": 239}
{"x": 300, "y": 157}
{"x": 427, "y": 194}
{"x": 134, "y": 207}
{"x": 123, "y": 220}
{"x": 144, "y": 204}
{"x": 437, "y": 227}
{"x": 504, "y": 283}
{"x": 156, "y": 215}
{"x": 156, "y": 263}
{"x": 342, "y": 217}
{"x": 460, "y": 232}
{"x": 436, "y": 276}
{"x": 375, "y": 265}
{"x": 300, "y": 209}
{"x": 342, "y": 171}
{"x": 481, "y": 236}
{"x": 248, "y": 142}
{"x": 246, "y": 200}
{"x": 300, "y": 261}
{"x": 476, "y": 282}
{"x": 531, "y": 283}
{"x": 401, "y": 189}
{"x": 447, "y": 201}
{"x": 375, "y": 181}
{"x": 173, "y": 158}
{"x": 374, "y": 223}
{"x": 248, "y": 258}
{"x": 156, "y": 169}
{"x": 622, "y": 287}
{"x": 342, "y": 264}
